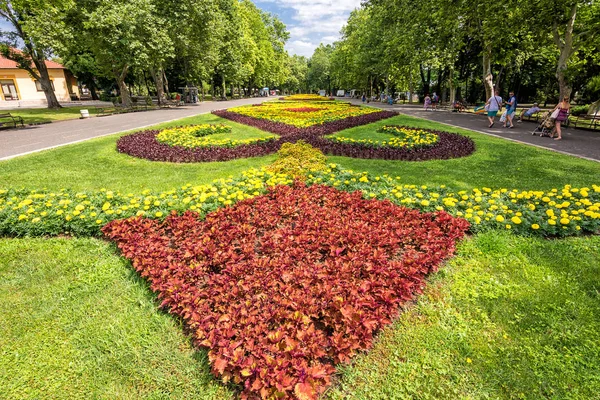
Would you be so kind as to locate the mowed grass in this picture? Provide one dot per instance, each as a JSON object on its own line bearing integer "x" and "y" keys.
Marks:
{"x": 43, "y": 115}
{"x": 96, "y": 164}
{"x": 76, "y": 322}
{"x": 508, "y": 317}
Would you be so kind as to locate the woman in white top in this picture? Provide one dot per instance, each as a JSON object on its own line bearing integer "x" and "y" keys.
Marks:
{"x": 492, "y": 106}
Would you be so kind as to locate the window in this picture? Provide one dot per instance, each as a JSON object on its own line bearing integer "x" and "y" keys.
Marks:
{"x": 9, "y": 90}
{"x": 38, "y": 86}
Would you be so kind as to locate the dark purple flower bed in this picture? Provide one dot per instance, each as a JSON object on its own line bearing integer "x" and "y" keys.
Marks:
{"x": 144, "y": 144}
{"x": 450, "y": 145}
{"x": 285, "y": 130}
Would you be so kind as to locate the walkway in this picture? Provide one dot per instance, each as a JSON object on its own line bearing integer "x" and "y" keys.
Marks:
{"x": 576, "y": 142}
{"x": 16, "y": 142}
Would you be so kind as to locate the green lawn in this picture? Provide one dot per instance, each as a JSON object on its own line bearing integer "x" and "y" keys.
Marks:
{"x": 508, "y": 317}
{"x": 95, "y": 164}
{"x": 40, "y": 115}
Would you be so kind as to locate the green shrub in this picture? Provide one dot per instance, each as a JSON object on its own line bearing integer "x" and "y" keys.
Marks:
{"x": 580, "y": 110}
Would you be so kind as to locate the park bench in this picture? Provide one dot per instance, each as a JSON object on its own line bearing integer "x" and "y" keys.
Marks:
{"x": 7, "y": 119}
{"x": 587, "y": 121}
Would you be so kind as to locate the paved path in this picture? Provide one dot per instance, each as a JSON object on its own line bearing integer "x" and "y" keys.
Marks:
{"x": 16, "y": 142}
{"x": 577, "y": 142}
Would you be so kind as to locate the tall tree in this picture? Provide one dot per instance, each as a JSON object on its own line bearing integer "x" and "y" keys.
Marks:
{"x": 38, "y": 29}
{"x": 123, "y": 34}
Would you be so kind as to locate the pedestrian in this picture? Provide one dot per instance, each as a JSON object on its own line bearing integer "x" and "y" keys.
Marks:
{"x": 560, "y": 113}
{"x": 434, "y": 100}
{"x": 427, "y": 101}
{"x": 492, "y": 106}
{"x": 511, "y": 109}
{"x": 364, "y": 98}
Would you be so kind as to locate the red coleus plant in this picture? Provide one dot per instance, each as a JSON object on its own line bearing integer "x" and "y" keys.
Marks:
{"x": 282, "y": 287}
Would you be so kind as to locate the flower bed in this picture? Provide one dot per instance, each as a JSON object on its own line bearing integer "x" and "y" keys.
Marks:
{"x": 448, "y": 145}
{"x": 40, "y": 213}
{"x": 293, "y": 133}
{"x": 283, "y": 287}
{"x": 306, "y": 97}
{"x": 146, "y": 145}
{"x": 558, "y": 212}
{"x": 290, "y": 113}
{"x": 201, "y": 136}
{"x": 404, "y": 137}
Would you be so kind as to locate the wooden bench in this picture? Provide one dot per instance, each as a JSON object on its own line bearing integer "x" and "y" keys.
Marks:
{"x": 587, "y": 121}
{"x": 13, "y": 120}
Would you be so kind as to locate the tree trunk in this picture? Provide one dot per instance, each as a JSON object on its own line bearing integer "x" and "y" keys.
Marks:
{"x": 451, "y": 86}
{"x": 123, "y": 90}
{"x": 93, "y": 92}
{"x": 46, "y": 83}
{"x": 488, "y": 79}
{"x": 411, "y": 88}
{"x": 165, "y": 82}
{"x": 565, "y": 46}
{"x": 157, "y": 76}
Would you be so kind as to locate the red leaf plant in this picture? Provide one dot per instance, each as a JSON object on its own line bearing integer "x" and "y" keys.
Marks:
{"x": 282, "y": 287}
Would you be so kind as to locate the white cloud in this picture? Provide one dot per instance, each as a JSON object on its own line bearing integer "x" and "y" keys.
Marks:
{"x": 314, "y": 21}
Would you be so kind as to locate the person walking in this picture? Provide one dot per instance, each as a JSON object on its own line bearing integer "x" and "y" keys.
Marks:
{"x": 492, "y": 107}
{"x": 427, "y": 101}
{"x": 434, "y": 101}
{"x": 364, "y": 98}
{"x": 560, "y": 113}
{"x": 511, "y": 108}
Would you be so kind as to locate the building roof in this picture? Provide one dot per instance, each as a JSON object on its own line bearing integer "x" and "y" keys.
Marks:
{"x": 5, "y": 63}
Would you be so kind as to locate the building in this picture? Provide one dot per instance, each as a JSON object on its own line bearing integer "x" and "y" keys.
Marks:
{"x": 19, "y": 89}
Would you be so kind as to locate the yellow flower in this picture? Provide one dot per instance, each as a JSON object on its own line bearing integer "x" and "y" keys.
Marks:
{"x": 499, "y": 218}
{"x": 565, "y": 221}
{"x": 158, "y": 214}
{"x": 516, "y": 220}
{"x": 551, "y": 222}
{"x": 535, "y": 227}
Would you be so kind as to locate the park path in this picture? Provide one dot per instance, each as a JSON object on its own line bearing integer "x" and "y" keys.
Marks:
{"x": 16, "y": 142}
{"x": 576, "y": 142}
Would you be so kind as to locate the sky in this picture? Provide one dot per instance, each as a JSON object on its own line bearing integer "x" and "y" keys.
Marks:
{"x": 310, "y": 22}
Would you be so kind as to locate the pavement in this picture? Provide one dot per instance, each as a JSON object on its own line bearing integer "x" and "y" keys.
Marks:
{"x": 576, "y": 142}
{"x": 17, "y": 142}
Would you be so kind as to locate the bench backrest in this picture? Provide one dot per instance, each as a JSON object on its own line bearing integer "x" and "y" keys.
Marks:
{"x": 5, "y": 115}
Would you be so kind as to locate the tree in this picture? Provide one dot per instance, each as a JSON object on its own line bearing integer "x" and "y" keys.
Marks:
{"x": 123, "y": 34}
{"x": 39, "y": 26}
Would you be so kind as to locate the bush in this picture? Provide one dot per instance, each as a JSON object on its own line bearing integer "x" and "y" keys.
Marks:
{"x": 579, "y": 110}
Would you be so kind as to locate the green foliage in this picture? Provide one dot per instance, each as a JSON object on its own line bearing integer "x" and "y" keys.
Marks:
{"x": 298, "y": 159}
{"x": 579, "y": 110}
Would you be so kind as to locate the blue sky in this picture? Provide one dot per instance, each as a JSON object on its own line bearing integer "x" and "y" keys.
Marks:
{"x": 310, "y": 22}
